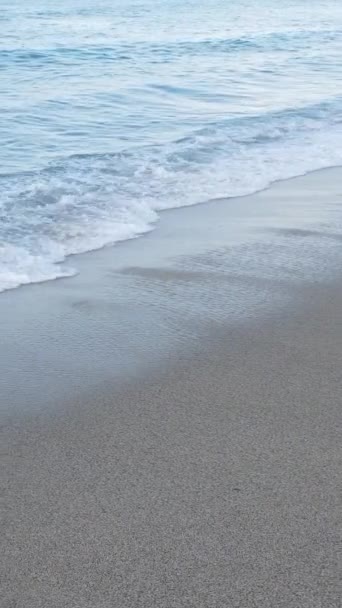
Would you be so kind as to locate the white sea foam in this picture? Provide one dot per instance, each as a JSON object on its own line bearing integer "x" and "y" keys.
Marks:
{"x": 178, "y": 111}
{"x": 86, "y": 202}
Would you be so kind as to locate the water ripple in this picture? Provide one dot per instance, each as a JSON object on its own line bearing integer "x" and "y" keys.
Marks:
{"x": 110, "y": 112}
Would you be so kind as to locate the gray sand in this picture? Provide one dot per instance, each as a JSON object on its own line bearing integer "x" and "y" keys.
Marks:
{"x": 214, "y": 485}
{"x": 211, "y": 480}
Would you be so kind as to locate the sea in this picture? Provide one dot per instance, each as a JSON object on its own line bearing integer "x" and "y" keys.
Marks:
{"x": 114, "y": 110}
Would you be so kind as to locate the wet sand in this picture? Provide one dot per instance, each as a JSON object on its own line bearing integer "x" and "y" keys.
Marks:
{"x": 209, "y": 480}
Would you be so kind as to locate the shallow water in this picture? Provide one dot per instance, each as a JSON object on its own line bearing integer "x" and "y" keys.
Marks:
{"x": 113, "y": 111}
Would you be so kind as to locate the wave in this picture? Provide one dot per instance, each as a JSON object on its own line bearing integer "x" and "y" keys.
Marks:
{"x": 85, "y": 202}
{"x": 171, "y": 50}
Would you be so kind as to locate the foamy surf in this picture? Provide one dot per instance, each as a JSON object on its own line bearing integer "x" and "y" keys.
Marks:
{"x": 111, "y": 113}
{"x": 85, "y": 202}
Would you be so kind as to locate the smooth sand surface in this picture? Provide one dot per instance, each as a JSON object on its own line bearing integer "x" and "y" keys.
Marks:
{"x": 216, "y": 484}
{"x": 211, "y": 481}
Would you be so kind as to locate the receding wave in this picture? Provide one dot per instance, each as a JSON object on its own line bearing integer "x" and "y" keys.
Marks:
{"x": 85, "y": 202}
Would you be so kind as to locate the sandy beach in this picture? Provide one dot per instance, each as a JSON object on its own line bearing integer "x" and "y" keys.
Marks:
{"x": 172, "y": 423}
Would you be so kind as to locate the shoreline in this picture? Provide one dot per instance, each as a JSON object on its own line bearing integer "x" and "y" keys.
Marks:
{"x": 80, "y": 256}
{"x": 173, "y": 435}
{"x": 134, "y": 306}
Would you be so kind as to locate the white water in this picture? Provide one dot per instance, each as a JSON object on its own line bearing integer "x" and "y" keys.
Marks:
{"x": 219, "y": 108}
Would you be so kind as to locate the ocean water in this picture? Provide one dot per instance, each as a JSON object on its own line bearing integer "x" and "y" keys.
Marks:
{"x": 112, "y": 110}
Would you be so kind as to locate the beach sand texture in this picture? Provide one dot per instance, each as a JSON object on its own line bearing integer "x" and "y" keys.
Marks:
{"x": 211, "y": 479}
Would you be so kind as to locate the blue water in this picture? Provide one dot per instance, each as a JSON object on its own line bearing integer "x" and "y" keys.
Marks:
{"x": 111, "y": 110}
